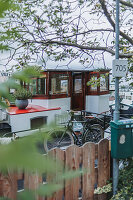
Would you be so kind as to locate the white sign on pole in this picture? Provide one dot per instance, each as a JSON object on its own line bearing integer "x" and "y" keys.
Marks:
{"x": 119, "y": 68}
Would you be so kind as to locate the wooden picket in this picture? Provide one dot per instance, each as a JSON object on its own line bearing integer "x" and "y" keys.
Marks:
{"x": 91, "y": 157}
{"x": 57, "y": 155}
{"x": 89, "y": 165}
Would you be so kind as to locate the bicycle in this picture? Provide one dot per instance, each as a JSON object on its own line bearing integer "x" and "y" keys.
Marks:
{"x": 74, "y": 132}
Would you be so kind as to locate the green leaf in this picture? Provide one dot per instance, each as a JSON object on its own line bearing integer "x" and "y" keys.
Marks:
{"x": 23, "y": 154}
{"x": 11, "y": 83}
{"x": 4, "y": 92}
{"x": 3, "y": 105}
{"x": 26, "y": 195}
{"x": 7, "y": 5}
{"x": 49, "y": 189}
{"x": 27, "y": 73}
{"x": 69, "y": 174}
{"x": 4, "y": 47}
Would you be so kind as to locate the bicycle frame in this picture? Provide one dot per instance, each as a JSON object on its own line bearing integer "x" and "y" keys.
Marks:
{"x": 80, "y": 137}
{"x": 81, "y": 131}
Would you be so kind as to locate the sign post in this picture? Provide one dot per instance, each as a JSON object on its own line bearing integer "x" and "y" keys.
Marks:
{"x": 117, "y": 103}
{"x": 119, "y": 70}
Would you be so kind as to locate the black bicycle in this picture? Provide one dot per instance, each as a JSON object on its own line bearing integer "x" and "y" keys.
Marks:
{"x": 74, "y": 132}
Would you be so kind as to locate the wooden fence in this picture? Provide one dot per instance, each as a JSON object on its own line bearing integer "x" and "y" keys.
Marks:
{"x": 95, "y": 158}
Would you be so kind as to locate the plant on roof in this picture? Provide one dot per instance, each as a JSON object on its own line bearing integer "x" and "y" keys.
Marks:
{"x": 22, "y": 94}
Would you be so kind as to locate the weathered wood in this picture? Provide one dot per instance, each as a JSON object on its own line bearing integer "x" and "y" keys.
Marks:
{"x": 8, "y": 185}
{"x": 96, "y": 169}
{"x": 20, "y": 175}
{"x": 72, "y": 162}
{"x": 72, "y": 158}
{"x": 110, "y": 146}
{"x": 89, "y": 165}
{"x": 58, "y": 156}
{"x": 103, "y": 165}
{"x": 96, "y": 164}
{"x": 103, "y": 162}
{"x": 32, "y": 182}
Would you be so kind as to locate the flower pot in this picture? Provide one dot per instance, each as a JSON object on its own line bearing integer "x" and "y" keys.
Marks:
{"x": 21, "y": 104}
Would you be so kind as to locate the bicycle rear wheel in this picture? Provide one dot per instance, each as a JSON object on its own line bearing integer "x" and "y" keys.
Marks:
{"x": 60, "y": 139}
{"x": 94, "y": 133}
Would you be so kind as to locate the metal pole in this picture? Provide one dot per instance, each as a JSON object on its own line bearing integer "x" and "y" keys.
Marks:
{"x": 117, "y": 106}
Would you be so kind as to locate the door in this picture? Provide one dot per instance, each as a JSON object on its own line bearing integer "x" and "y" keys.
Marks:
{"x": 78, "y": 97}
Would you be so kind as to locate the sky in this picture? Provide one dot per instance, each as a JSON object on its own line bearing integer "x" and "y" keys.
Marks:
{"x": 75, "y": 64}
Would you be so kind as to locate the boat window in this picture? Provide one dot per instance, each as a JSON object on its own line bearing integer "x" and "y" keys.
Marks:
{"x": 78, "y": 84}
{"x": 33, "y": 87}
{"x": 104, "y": 82}
{"x": 59, "y": 84}
{"x": 38, "y": 86}
{"x": 129, "y": 97}
{"x": 93, "y": 86}
{"x": 41, "y": 86}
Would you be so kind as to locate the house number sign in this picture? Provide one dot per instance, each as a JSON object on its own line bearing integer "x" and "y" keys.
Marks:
{"x": 119, "y": 68}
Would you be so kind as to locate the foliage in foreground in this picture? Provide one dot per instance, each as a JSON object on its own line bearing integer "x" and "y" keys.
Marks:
{"x": 125, "y": 185}
{"x": 13, "y": 82}
{"x": 23, "y": 155}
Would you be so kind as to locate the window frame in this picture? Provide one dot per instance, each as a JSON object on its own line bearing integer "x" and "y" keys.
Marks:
{"x": 97, "y": 92}
{"x": 60, "y": 95}
{"x": 39, "y": 96}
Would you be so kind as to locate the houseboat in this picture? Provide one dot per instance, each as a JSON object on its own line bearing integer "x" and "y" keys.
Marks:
{"x": 57, "y": 91}
{"x": 69, "y": 90}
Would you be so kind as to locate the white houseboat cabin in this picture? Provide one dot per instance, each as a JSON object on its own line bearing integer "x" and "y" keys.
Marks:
{"x": 57, "y": 91}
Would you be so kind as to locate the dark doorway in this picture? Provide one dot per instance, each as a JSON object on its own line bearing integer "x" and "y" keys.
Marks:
{"x": 37, "y": 122}
{"x": 78, "y": 96}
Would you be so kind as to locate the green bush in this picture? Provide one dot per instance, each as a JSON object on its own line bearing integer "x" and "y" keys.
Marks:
{"x": 22, "y": 94}
{"x": 125, "y": 184}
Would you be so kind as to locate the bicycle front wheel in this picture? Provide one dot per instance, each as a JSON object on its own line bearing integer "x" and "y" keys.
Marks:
{"x": 60, "y": 139}
{"x": 94, "y": 133}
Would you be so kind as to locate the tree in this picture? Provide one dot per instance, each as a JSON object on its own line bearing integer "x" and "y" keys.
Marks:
{"x": 65, "y": 30}
{"x": 7, "y": 5}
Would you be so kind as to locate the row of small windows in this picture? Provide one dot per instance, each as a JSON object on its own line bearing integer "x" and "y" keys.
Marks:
{"x": 59, "y": 84}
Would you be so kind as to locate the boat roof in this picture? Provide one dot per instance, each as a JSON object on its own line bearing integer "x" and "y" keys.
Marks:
{"x": 76, "y": 70}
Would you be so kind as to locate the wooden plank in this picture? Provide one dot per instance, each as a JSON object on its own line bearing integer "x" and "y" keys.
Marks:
{"x": 32, "y": 181}
{"x": 72, "y": 162}
{"x": 58, "y": 156}
{"x": 103, "y": 162}
{"x": 72, "y": 158}
{"x": 103, "y": 165}
{"x": 96, "y": 164}
{"x": 109, "y": 145}
{"x": 96, "y": 169}
{"x": 8, "y": 185}
{"x": 89, "y": 165}
{"x": 20, "y": 175}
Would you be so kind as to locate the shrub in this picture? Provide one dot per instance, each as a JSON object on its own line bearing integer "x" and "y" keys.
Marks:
{"x": 125, "y": 184}
{"x": 22, "y": 94}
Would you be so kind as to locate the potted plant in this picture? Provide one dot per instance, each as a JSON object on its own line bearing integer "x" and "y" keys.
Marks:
{"x": 22, "y": 95}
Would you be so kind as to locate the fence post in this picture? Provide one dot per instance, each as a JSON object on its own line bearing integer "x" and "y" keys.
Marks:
{"x": 59, "y": 156}
{"x": 89, "y": 176}
{"x": 8, "y": 185}
{"x": 32, "y": 181}
{"x": 103, "y": 165}
{"x": 72, "y": 162}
